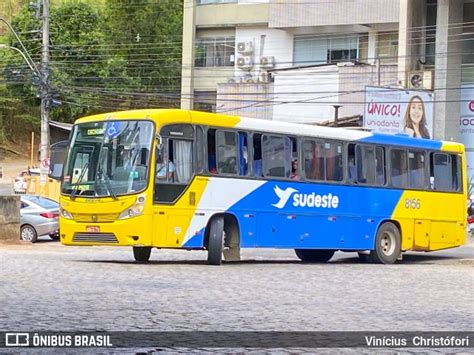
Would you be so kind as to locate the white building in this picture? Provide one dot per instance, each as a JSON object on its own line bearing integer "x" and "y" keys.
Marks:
{"x": 288, "y": 60}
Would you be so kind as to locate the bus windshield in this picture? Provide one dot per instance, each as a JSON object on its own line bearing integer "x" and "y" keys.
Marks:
{"x": 108, "y": 158}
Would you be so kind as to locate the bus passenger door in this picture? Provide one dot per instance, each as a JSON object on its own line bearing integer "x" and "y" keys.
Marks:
{"x": 422, "y": 234}
{"x": 174, "y": 202}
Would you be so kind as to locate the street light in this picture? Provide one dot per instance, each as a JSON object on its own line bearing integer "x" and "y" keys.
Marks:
{"x": 44, "y": 87}
{"x": 31, "y": 65}
{"x": 25, "y": 53}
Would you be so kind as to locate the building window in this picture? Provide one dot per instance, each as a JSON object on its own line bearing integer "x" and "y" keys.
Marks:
{"x": 387, "y": 46}
{"x": 320, "y": 50}
{"x": 215, "y": 52}
{"x": 430, "y": 41}
{"x": 205, "y": 101}
{"x": 468, "y": 34}
{"x": 205, "y": 2}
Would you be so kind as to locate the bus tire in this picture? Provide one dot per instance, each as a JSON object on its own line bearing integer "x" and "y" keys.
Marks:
{"x": 387, "y": 247}
{"x": 216, "y": 241}
{"x": 141, "y": 254}
{"x": 314, "y": 255}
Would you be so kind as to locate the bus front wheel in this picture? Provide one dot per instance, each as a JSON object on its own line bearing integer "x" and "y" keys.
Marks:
{"x": 314, "y": 255}
{"x": 215, "y": 244}
{"x": 387, "y": 244}
{"x": 142, "y": 254}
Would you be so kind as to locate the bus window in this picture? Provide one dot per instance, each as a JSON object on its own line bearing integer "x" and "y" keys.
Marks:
{"x": 199, "y": 150}
{"x": 416, "y": 166}
{"x": 165, "y": 168}
{"x": 276, "y": 154}
{"x": 456, "y": 173}
{"x": 175, "y": 162}
{"x": 441, "y": 172}
{"x": 174, "y": 169}
{"x": 351, "y": 164}
{"x": 333, "y": 155}
{"x": 257, "y": 155}
{"x": 211, "y": 151}
{"x": 295, "y": 169}
{"x": 313, "y": 157}
{"x": 182, "y": 156}
{"x": 226, "y": 152}
{"x": 243, "y": 153}
{"x": 399, "y": 167}
{"x": 365, "y": 163}
{"x": 380, "y": 178}
{"x": 58, "y": 157}
{"x": 361, "y": 164}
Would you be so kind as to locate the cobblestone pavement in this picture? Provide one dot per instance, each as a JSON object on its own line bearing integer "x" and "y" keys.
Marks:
{"x": 47, "y": 286}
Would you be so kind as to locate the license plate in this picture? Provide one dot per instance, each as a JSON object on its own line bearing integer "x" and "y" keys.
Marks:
{"x": 93, "y": 229}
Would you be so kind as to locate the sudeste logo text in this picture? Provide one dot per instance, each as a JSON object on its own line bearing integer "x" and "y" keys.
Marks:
{"x": 305, "y": 199}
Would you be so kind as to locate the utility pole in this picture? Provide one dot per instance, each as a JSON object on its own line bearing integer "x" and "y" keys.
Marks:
{"x": 44, "y": 146}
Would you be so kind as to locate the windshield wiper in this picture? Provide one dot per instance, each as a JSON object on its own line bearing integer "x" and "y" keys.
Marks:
{"x": 79, "y": 180}
{"x": 110, "y": 190}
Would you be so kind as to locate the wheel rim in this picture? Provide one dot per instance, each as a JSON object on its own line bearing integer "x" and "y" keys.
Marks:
{"x": 27, "y": 234}
{"x": 387, "y": 243}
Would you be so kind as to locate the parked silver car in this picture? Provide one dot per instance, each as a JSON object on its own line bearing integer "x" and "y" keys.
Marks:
{"x": 39, "y": 216}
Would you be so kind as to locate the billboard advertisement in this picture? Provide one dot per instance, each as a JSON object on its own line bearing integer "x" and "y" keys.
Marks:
{"x": 466, "y": 125}
{"x": 392, "y": 110}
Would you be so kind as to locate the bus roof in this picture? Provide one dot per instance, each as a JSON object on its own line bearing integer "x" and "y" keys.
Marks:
{"x": 166, "y": 116}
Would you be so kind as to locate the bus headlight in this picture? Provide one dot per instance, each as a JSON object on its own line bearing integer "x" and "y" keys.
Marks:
{"x": 134, "y": 210}
{"x": 65, "y": 213}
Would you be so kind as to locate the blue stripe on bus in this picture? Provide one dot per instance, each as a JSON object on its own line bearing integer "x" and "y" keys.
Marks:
{"x": 402, "y": 140}
{"x": 339, "y": 217}
{"x": 197, "y": 241}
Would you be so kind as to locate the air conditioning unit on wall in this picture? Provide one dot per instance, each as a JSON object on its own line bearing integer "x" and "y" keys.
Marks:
{"x": 267, "y": 62}
{"x": 244, "y": 62}
{"x": 420, "y": 79}
{"x": 245, "y": 47}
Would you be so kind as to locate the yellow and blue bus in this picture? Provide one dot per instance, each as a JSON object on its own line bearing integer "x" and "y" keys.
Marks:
{"x": 195, "y": 180}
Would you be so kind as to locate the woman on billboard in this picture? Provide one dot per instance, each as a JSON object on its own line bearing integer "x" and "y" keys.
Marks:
{"x": 415, "y": 119}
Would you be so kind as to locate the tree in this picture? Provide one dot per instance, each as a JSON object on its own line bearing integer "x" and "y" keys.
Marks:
{"x": 149, "y": 37}
{"x": 124, "y": 54}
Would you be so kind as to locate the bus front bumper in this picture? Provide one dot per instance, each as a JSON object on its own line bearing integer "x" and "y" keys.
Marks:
{"x": 135, "y": 231}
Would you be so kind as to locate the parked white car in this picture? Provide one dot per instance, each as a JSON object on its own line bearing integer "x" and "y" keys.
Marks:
{"x": 20, "y": 185}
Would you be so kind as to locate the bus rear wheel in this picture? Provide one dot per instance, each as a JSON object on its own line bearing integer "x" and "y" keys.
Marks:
{"x": 215, "y": 244}
{"x": 142, "y": 254}
{"x": 387, "y": 244}
{"x": 314, "y": 255}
